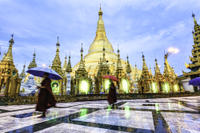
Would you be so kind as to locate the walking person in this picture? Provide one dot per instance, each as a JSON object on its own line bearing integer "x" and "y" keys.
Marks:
{"x": 112, "y": 95}
{"x": 45, "y": 97}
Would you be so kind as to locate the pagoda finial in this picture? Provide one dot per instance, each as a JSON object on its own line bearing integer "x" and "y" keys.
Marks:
{"x": 57, "y": 44}
{"x": 100, "y": 11}
{"x": 81, "y": 51}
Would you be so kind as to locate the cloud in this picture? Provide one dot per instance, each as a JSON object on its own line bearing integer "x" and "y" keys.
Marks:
{"x": 173, "y": 50}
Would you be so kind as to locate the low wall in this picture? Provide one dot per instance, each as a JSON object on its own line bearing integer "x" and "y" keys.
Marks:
{"x": 18, "y": 100}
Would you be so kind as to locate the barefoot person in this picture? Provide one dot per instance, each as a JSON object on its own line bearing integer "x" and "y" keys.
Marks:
{"x": 45, "y": 97}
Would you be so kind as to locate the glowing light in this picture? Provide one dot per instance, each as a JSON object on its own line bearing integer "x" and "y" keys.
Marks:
{"x": 176, "y": 88}
{"x": 107, "y": 85}
{"x": 127, "y": 111}
{"x": 83, "y": 113}
{"x": 157, "y": 107}
{"x": 173, "y": 50}
{"x": 55, "y": 87}
{"x": 84, "y": 86}
{"x": 154, "y": 87}
{"x": 125, "y": 85}
{"x": 166, "y": 88}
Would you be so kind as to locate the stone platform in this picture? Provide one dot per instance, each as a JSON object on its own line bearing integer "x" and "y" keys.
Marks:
{"x": 160, "y": 115}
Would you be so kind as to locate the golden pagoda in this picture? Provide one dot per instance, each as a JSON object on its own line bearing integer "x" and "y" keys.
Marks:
{"x": 57, "y": 85}
{"x": 171, "y": 81}
{"x": 95, "y": 52}
{"x": 158, "y": 78}
{"x": 194, "y": 66}
{"x": 33, "y": 62}
{"x": 9, "y": 78}
{"x": 145, "y": 81}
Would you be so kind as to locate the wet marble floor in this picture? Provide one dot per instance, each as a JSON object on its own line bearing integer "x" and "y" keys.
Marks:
{"x": 160, "y": 115}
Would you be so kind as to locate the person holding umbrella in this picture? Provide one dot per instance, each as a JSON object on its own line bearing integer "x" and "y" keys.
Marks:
{"x": 45, "y": 97}
{"x": 112, "y": 95}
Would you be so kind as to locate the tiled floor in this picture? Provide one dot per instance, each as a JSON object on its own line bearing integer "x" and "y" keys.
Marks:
{"x": 176, "y": 115}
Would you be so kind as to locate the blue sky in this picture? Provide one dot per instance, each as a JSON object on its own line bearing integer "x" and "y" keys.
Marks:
{"x": 151, "y": 26}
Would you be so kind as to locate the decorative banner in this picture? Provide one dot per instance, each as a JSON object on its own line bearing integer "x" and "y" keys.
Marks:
{"x": 125, "y": 85}
{"x": 84, "y": 86}
{"x": 55, "y": 87}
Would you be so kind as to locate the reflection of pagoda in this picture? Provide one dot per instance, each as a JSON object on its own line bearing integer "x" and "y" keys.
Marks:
{"x": 94, "y": 58}
{"x": 194, "y": 66}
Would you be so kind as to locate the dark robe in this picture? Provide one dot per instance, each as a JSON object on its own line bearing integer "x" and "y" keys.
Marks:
{"x": 45, "y": 97}
{"x": 112, "y": 96}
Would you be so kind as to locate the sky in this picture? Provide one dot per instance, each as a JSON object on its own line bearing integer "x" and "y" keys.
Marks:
{"x": 148, "y": 26}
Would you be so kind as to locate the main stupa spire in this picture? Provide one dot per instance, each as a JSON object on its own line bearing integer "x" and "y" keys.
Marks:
{"x": 100, "y": 39}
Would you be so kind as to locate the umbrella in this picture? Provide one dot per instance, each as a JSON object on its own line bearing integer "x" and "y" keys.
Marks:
{"x": 195, "y": 81}
{"x": 110, "y": 77}
{"x": 39, "y": 71}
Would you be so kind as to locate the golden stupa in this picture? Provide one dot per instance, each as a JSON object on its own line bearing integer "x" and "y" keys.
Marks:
{"x": 95, "y": 53}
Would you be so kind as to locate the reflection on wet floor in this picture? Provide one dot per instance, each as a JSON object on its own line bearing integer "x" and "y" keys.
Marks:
{"x": 143, "y": 115}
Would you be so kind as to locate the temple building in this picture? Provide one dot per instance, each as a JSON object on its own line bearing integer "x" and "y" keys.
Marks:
{"x": 194, "y": 66}
{"x": 101, "y": 56}
{"x": 159, "y": 83}
{"x": 9, "y": 77}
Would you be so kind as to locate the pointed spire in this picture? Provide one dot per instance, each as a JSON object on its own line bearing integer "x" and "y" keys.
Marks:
{"x": 128, "y": 67}
{"x": 33, "y": 62}
{"x": 8, "y": 56}
{"x": 82, "y": 63}
{"x": 23, "y": 74}
{"x": 100, "y": 38}
{"x": 157, "y": 69}
{"x": 69, "y": 67}
{"x": 119, "y": 65}
{"x": 56, "y": 64}
{"x": 65, "y": 64}
{"x": 144, "y": 63}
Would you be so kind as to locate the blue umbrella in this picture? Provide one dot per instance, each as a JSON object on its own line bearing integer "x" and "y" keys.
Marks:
{"x": 39, "y": 71}
{"x": 195, "y": 81}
